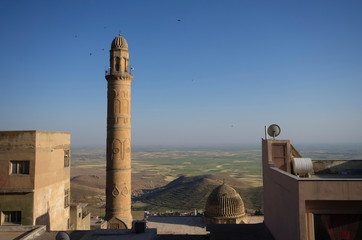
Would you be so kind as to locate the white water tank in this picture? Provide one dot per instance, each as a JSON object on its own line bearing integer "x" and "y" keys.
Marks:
{"x": 302, "y": 166}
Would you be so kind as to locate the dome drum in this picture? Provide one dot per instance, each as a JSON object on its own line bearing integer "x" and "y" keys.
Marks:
{"x": 224, "y": 206}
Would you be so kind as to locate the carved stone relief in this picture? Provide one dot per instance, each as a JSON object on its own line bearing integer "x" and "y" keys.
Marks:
{"x": 120, "y": 149}
{"x": 124, "y": 191}
{"x": 115, "y": 93}
{"x": 124, "y": 106}
{"x": 117, "y": 106}
{"x": 115, "y": 191}
{"x": 116, "y": 148}
{"x": 122, "y": 120}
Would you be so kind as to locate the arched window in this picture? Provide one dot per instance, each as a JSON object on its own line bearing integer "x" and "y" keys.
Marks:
{"x": 117, "y": 64}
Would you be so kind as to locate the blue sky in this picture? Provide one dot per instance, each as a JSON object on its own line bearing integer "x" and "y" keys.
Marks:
{"x": 217, "y": 77}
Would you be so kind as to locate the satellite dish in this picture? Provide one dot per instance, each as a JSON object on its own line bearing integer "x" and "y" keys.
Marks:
{"x": 274, "y": 130}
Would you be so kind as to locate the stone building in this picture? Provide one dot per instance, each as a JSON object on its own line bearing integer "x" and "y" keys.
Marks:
{"x": 224, "y": 206}
{"x": 118, "y": 180}
{"x": 35, "y": 178}
{"x": 79, "y": 217}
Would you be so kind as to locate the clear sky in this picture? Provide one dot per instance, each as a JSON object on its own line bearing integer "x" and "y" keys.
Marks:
{"x": 217, "y": 77}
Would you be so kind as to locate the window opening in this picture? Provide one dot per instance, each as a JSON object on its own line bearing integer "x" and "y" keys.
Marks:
{"x": 66, "y": 158}
{"x": 117, "y": 64}
{"x": 20, "y": 167}
{"x": 12, "y": 217}
{"x": 66, "y": 198}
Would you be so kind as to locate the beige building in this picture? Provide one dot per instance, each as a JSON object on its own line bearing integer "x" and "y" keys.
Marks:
{"x": 35, "y": 178}
{"x": 308, "y": 199}
{"x": 79, "y": 217}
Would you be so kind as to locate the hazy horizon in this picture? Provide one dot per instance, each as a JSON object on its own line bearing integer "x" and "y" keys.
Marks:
{"x": 304, "y": 146}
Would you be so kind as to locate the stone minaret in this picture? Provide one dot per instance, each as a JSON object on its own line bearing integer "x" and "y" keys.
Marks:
{"x": 118, "y": 189}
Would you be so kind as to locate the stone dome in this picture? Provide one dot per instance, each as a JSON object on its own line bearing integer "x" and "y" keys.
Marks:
{"x": 224, "y": 205}
{"x": 119, "y": 43}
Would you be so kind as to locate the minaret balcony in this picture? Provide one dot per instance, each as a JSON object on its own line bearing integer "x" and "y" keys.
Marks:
{"x": 121, "y": 74}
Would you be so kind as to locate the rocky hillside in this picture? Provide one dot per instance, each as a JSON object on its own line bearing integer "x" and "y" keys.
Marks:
{"x": 185, "y": 193}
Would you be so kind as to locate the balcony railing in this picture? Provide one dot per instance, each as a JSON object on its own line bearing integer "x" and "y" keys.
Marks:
{"x": 110, "y": 72}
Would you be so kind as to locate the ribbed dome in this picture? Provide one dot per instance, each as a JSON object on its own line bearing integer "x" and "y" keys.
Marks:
{"x": 224, "y": 202}
{"x": 119, "y": 43}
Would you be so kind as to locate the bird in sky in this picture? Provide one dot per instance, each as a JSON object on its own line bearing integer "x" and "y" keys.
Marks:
{"x": 75, "y": 36}
{"x": 90, "y": 54}
{"x": 102, "y": 49}
{"x": 178, "y": 20}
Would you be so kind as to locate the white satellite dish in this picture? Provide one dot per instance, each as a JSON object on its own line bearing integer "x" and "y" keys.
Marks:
{"x": 274, "y": 130}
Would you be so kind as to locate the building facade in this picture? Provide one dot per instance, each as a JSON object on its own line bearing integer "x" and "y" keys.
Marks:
{"x": 118, "y": 180}
{"x": 325, "y": 202}
{"x": 35, "y": 178}
{"x": 79, "y": 217}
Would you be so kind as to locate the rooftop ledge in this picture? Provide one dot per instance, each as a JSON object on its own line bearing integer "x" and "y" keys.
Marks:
{"x": 330, "y": 170}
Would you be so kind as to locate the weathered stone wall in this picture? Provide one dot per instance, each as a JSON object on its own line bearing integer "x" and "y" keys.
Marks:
{"x": 16, "y": 146}
{"x": 51, "y": 179}
{"x": 78, "y": 221}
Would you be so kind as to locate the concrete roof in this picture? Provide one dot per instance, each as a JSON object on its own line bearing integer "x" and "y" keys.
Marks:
{"x": 103, "y": 234}
{"x": 177, "y": 225}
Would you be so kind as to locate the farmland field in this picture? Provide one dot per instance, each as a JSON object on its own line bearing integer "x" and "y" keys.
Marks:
{"x": 171, "y": 163}
{"x": 155, "y": 167}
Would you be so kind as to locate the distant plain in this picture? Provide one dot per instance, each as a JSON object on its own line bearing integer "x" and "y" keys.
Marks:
{"x": 155, "y": 167}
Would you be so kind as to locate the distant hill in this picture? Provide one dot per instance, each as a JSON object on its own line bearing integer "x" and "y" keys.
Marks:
{"x": 185, "y": 193}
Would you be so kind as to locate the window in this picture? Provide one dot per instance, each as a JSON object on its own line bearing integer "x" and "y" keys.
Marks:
{"x": 12, "y": 217}
{"x": 66, "y": 158}
{"x": 20, "y": 167}
{"x": 117, "y": 64}
{"x": 66, "y": 198}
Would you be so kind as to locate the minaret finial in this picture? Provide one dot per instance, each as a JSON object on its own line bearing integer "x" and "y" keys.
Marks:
{"x": 119, "y": 32}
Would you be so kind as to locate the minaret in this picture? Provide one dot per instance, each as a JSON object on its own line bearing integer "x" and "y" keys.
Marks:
{"x": 118, "y": 183}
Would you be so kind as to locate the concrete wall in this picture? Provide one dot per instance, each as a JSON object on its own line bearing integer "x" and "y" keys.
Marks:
{"x": 18, "y": 202}
{"x": 16, "y": 145}
{"x": 39, "y": 194}
{"x": 281, "y": 205}
{"x": 16, "y": 190}
{"x": 78, "y": 221}
{"x": 51, "y": 180}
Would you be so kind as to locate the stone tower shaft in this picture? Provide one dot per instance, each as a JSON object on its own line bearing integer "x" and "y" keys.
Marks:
{"x": 118, "y": 180}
